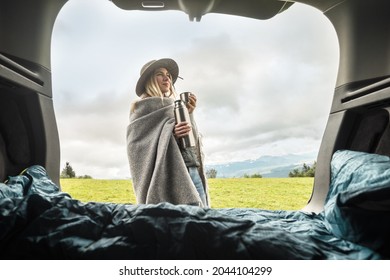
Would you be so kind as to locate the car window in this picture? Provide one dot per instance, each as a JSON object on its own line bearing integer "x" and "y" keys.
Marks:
{"x": 264, "y": 87}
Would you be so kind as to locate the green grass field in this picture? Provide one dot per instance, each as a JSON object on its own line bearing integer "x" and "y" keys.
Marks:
{"x": 264, "y": 193}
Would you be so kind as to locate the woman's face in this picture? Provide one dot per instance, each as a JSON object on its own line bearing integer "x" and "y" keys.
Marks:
{"x": 163, "y": 79}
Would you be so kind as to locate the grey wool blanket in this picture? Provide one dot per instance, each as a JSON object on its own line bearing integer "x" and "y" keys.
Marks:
{"x": 158, "y": 171}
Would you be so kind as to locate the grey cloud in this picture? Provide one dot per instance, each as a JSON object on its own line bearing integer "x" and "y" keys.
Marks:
{"x": 102, "y": 119}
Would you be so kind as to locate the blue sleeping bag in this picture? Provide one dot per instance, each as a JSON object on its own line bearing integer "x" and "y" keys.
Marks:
{"x": 38, "y": 221}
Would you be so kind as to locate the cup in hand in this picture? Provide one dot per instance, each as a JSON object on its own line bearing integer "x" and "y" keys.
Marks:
{"x": 185, "y": 96}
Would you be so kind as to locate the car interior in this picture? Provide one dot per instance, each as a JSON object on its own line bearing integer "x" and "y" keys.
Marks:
{"x": 358, "y": 122}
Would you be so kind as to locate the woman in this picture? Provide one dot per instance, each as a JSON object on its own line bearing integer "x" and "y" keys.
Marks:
{"x": 161, "y": 170}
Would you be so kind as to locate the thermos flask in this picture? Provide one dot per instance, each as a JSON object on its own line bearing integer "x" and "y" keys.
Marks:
{"x": 182, "y": 115}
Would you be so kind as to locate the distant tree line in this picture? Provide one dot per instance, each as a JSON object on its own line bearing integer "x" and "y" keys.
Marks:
{"x": 305, "y": 171}
{"x": 256, "y": 175}
{"x": 68, "y": 172}
{"x": 211, "y": 173}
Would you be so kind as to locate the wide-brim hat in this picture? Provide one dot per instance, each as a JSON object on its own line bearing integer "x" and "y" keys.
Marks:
{"x": 149, "y": 68}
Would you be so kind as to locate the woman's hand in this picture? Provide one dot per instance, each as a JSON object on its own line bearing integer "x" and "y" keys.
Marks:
{"x": 181, "y": 129}
{"x": 191, "y": 104}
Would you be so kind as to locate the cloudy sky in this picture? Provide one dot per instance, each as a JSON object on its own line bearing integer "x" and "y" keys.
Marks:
{"x": 263, "y": 87}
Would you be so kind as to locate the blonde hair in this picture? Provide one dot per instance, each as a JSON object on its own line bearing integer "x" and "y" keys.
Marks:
{"x": 153, "y": 90}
